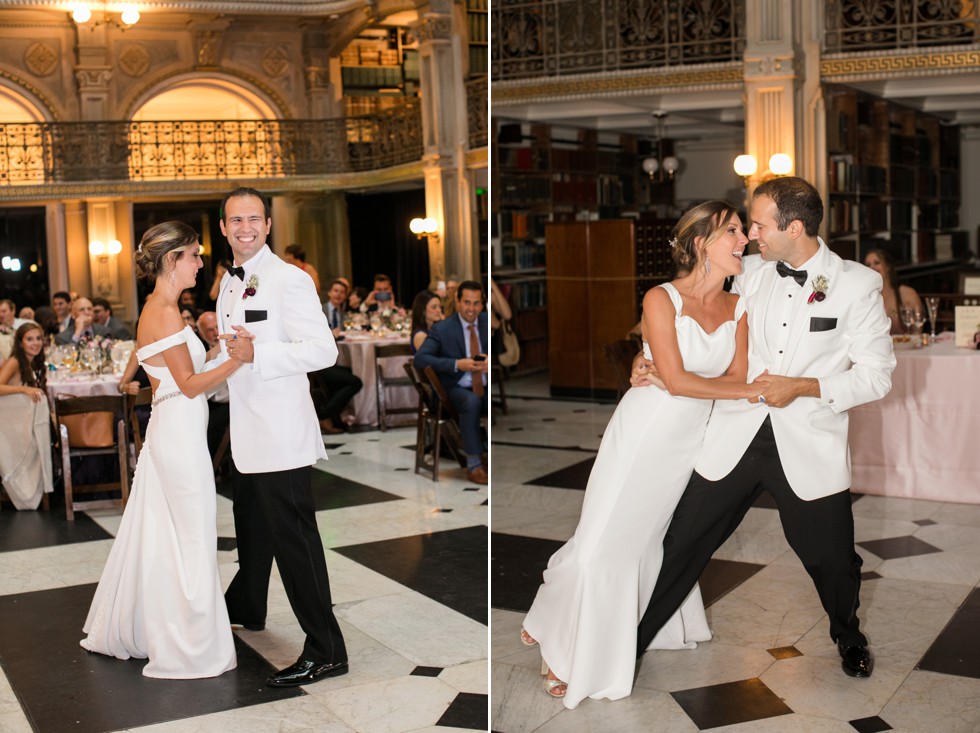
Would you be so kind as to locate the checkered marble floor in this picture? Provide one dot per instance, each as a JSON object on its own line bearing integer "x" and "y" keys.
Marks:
{"x": 771, "y": 665}
{"x": 407, "y": 560}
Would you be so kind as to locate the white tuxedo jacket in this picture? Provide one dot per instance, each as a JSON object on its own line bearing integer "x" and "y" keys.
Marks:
{"x": 842, "y": 341}
{"x": 273, "y": 422}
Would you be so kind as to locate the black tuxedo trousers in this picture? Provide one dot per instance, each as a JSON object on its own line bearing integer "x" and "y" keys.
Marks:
{"x": 821, "y": 532}
{"x": 275, "y": 518}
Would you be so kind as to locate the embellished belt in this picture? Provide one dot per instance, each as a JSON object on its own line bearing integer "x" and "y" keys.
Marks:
{"x": 165, "y": 397}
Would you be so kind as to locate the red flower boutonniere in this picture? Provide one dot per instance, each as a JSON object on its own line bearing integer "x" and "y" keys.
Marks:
{"x": 250, "y": 286}
{"x": 820, "y": 285}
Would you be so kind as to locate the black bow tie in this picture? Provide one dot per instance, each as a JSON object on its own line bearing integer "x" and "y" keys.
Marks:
{"x": 240, "y": 271}
{"x": 784, "y": 271}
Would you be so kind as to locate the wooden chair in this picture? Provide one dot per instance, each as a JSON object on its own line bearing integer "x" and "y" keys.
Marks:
{"x": 434, "y": 426}
{"x": 383, "y": 383}
{"x": 621, "y": 354}
{"x": 497, "y": 376}
{"x": 117, "y": 443}
{"x": 140, "y": 399}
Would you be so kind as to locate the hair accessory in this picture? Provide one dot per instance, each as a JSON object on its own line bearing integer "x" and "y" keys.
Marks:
{"x": 139, "y": 249}
{"x": 673, "y": 243}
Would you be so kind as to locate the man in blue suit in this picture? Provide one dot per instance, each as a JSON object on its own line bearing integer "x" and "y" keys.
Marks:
{"x": 456, "y": 348}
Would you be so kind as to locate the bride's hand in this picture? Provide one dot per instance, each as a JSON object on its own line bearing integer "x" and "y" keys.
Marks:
{"x": 644, "y": 373}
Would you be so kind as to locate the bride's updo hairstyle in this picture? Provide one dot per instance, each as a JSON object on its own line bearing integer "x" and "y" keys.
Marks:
{"x": 158, "y": 242}
{"x": 707, "y": 220}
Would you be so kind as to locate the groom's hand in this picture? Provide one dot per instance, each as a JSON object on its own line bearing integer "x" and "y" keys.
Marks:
{"x": 783, "y": 390}
{"x": 239, "y": 345}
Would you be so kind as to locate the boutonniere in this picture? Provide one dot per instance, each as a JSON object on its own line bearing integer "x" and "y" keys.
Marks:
{"x": 250, "y": 286}
{"x": 820, "y": 285}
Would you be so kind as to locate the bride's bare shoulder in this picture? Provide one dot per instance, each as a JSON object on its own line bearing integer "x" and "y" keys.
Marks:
{"x": 157, "y": 321}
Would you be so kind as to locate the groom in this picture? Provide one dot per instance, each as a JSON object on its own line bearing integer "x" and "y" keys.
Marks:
{"x": 275, "y": 439}
{"x": 820, "y": 316}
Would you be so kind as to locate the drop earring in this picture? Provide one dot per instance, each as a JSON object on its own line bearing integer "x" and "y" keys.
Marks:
{"x": 707, "y": 266}
{"x": 173, "y": 277}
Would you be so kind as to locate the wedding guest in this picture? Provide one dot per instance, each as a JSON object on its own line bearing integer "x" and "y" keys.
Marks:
{"x": 47, "y": 319}
{"x": 82, "y": 324}
{"x": 8, "y": 326}
{"x": 296, "y": 255}
{"x": 449, "y": 299}
{"x": 456, "y": 348}
{"x": 25, "y": 448}
{"x": 102, "y": 315}
{"x": 61, "y": 302}
{"x": 219, "y": 272}
{"x": 189, "y": 315}
{"x": 426, "y": 311}
{"x": 894, "y": 295}
{"x": 381, "y": 297}
{"x": 499, "y": 312}
{"x": 218, "y": 414}
{"x": 356, "y": 298}
{"x": 26, "y": 314}
{"x": 336, "y": 306}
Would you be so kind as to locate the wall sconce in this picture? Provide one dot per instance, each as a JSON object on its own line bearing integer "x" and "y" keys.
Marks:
{"x": 780, "y": 164}
{"x": 129, "y": 16}
{"x": 427, "y": 227}
{"x": 661, "y": 167}
{"x": 101, "y": 252}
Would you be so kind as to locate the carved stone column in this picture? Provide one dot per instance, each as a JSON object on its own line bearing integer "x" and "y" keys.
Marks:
{"x": 784, "y": 109}
{"x": 448, "y": 192}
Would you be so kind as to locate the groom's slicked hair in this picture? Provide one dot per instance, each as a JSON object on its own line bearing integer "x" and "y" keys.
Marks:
{"x": 796, "y": 200}
{"x": 246, "y": 191}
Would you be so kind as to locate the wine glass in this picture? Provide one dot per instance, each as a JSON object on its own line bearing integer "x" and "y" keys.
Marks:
{"x": 906, "y": 315}
{"x": 932, "y": 304}
{"x": 918, "y": 320}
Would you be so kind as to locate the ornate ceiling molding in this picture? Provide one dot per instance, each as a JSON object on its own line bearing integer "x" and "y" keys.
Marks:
{"x": 676, "y": 78}
{"x": 244, "y": 7}
{"x": 890, "y": 64}
{"x": 36, "y": 95}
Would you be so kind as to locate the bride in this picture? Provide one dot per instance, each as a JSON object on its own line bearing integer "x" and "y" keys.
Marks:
{"x": 596, "y": 586}
{"x": 160, "y": 596}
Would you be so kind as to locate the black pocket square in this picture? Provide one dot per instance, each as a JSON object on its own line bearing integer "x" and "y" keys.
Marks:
{"x": 822, "y": 324}
{"x": 253, "y": 316}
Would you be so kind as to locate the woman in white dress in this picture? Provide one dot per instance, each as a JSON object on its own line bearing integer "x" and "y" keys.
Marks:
{"x": 160, "y": 595}
{"x": 596, "y": 586}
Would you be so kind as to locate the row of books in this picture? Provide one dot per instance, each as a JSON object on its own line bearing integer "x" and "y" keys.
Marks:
{"x": 529, "y": 295}
{"x": 522, "y": 255}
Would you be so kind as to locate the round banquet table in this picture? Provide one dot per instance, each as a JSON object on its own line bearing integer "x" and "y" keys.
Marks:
{"x": 357, "y": 352}
{"x": 920, "y": 440}
{"x": 83, "y": 385}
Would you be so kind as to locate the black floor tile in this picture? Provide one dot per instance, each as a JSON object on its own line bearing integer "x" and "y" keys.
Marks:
{"x": 923, "y": 522}
{"x": 957, "y": 649}
{"x": 449, "y": 567}
{"x": 468, "y": 710}
{"x": 873, "y": 724}
{"x": 575, "y": 476}
{"x": 227, "y": 544}
{"x": 517, "y": 565}
{"x": 730, "y": 703}
{"x": 870, "y": 575}
{"x": 896, "y": 547}
{"x": 55, "y": 680}
{"x": 330, "y": 492}
{"x": 29, "y": 530}
{"x": 427, "y": 671}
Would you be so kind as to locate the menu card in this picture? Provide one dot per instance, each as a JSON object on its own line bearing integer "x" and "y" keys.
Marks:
{"x": 968, "y": 326}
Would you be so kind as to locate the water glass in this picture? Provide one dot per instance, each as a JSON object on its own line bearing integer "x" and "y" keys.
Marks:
{"x": 932, "y": 304}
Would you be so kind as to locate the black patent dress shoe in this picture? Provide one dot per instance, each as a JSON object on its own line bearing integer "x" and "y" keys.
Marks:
{"x": 305, "y": 672}
{"x": 856, "y": 660}
{"x": 250, "y": 626}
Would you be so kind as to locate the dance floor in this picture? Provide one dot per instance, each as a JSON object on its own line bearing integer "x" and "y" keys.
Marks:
{"x": 771, "y": 666}
{"x": 407, "y": 560}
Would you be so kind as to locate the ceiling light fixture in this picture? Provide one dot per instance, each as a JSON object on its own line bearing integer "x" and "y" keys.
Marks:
{"x": 82, "y": 14}
{"x": 661, "y": 168}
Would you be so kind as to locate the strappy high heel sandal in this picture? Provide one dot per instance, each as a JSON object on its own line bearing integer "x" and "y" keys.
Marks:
{"x": 552, "y": 685}
{"x": 527, "y": 639}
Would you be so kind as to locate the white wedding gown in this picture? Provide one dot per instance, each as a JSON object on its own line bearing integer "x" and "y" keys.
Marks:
{"x": 160, "y": 595}
{"x": 597, "y": 585}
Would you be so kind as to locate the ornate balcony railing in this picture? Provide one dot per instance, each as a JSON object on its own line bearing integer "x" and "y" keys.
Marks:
{"x": 866, "y": 25}
{"x": 477, "y": 91}
{"x": 534, "y": 38}
{"x": 60, "y": 152}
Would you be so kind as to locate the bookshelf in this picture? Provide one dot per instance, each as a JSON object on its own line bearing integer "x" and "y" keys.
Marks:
{"x": 477, "y": 19}
{"x": 544, "y": 174}
{"x": 893, "y": 180}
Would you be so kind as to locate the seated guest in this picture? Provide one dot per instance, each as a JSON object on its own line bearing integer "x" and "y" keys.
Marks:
{"x": 47, "y": 319}
{"x": 102, "y": 315}
{"x": 187, "y": 300}
{"x": 61, "y": 302}
{"x": 894, "y": 295}
{"x": 382, "y": 297}
{"x": 336, "y": 306}
{"x": 456, "y": 348}
{"x": 332, "y": 388}
{"x": 296, "y": 255}
{"x": 131, "y": 381}
{"x": 25, "y": 447}
{"x": 218, "y": 416}
{"x": 356, "y": 298}
{"x": 26, "y": 314}
{"x": 449, "y": 299}
{"x": 82, "y": 324}
{"x": 8, "y": 326}
{"x": 190, "y": 316}
{"x": 426, "y": 310}
{"x": 219, "y": 272}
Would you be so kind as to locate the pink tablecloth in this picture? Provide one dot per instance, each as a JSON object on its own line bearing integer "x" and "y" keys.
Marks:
{"x": 358, "y": 354}
{"x": 922, "y": 441}
{"x": 84, "y": 386}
